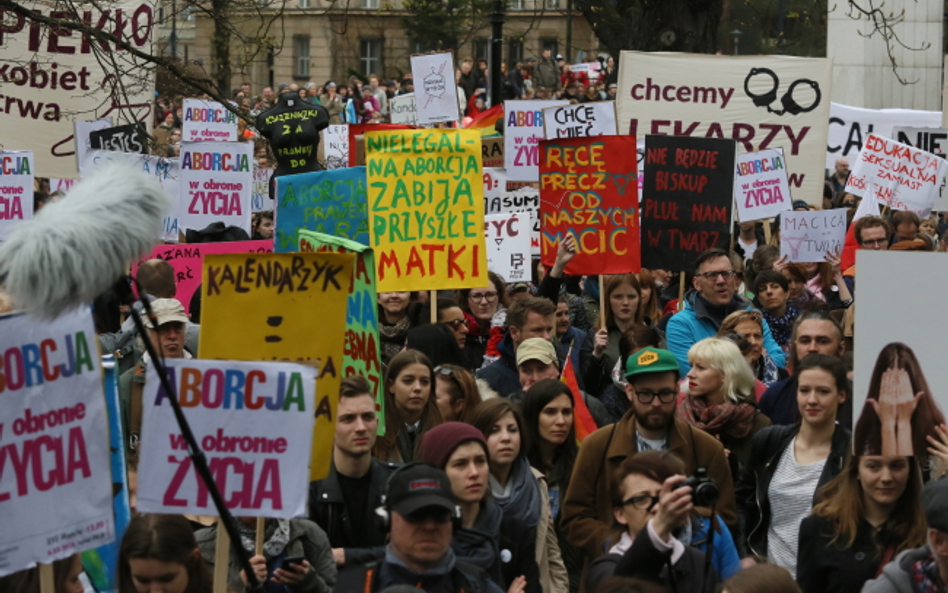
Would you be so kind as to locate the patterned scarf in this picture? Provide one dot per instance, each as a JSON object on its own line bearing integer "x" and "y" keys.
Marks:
{"x": 781, "y": 328}
{"x": 925, "y": 576}
{"x": 767, "y": 370}
{"x": 393, "y": 336}
{"x": 727, "y": 420}
{"x": 276, "y": 536}
{"x": 492, "y": 333}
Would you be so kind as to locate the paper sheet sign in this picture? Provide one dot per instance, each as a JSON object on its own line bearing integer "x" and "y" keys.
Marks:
{"x": 809, "y": 236}
{"x": 426, "y": 214}
{"x": 207, "y": 120}
{"x": 55, "y": 483}
{"x": 933, "y": 140}
{"x": 274, "y": 297}
{"x": 251, "y": 419}
{"x": 525, "y": 201}
{"x": 523, "y": 130}
{"x": 403, "y": 109}
{"x": 583, "y": 119}
{"x": 901, "y": 177}
{"x": 761, "y": 189}
{"x": 495, "y": 183}
{"x": 216, "y": 184}
{"x": 336, "y": 146}
{"x": 260, "y": 199}
{"x": 436, "y": 91}
{"x": 508, "y": 245}
{"x": 16, "y": 189}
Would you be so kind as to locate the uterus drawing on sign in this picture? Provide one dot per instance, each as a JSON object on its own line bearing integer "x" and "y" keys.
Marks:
{"x": 794, "y": 244}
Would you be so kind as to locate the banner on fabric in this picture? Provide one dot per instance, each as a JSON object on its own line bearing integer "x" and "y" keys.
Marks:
{"x": 251, "y": 419}
{"x": 583, "y": 194}
{"x": 850, "y": 126}
{"x": 59, "y": 77}
{"x": 686, "y": 199}
{"x": 336, "y": 146}
{"x": 166, "y": 171}
{"x": 523, "y": 130}
{"x": 16, "y": 189}
{"x": 583, "y": 119}
{"x": 899, "y": 358}
{"x": 426, "y": 211}
{"x": 207, "y": 121}
{"x": 807, "y": 236}
{"x": 216, "y": 184}
{"x": 760, "y": 102}
{"x": 362, "y": 354}
{"x": 899, "y": 176}
{"x": 933, "y": 140}
{"x": 55, "y": 487}
{"x": 508, "y": 245}
{"x": 187, "y": 258}
{"x": 330, "y": 202}
{"x": 761, "y": 189}
{"x": 274, "y": 296}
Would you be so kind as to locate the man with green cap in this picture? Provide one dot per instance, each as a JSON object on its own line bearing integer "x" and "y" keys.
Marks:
{"x": 650, "y": 424}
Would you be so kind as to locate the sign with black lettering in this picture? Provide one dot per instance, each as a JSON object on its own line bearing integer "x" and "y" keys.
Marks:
{"x": 686, "y": 199}
{"x": 583, "y": 119}
{"x": 128, "y": 138}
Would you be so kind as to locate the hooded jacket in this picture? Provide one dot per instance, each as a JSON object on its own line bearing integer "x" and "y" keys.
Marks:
{"x": 896, "y": 576}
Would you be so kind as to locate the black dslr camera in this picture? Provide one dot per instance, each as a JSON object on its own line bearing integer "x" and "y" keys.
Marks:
{"x": 704, "y": 490}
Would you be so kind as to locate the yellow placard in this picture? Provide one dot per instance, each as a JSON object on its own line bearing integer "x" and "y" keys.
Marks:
{"x": 426, "y": 209}
{"x": 282, "y": 306}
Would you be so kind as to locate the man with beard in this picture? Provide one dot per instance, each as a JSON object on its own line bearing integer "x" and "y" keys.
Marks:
{"x": 650, "y": 424}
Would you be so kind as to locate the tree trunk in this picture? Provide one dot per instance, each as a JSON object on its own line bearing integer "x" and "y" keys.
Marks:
{"x": 220, "y": 46}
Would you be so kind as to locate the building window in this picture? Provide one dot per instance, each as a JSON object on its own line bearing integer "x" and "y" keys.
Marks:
{"x": 482, "y": 48}
{"x": 301, "y": 51}
{"x": 550, "y": 44}
{"x": 514, "y": 53}
{"x": 305, "y": 3}
{"x": 552, "y": 4}
{"x": 516, "y": 5}
{"x": 370, "y": 56}
{"x": 370, "y": 4}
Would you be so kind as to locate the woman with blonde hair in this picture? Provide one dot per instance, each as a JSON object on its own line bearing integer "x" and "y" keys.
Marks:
{"x": 749, "y": 324}
{"x": 719, "y": 398}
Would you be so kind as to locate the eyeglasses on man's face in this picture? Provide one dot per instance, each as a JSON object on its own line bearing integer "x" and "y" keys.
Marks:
{"x": 712, "y": 276}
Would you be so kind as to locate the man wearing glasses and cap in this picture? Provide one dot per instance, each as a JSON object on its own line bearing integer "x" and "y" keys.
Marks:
{"x": 650, "y": 424}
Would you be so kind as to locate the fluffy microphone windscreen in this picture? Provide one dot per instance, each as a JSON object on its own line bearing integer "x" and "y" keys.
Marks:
{"x": 76, "y": 248}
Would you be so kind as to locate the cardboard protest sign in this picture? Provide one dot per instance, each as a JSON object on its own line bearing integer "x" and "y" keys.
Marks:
{"x": 761, "y": 189}
{"x": 16, "y": 189}
{"x": 760, "y": 101}
{"x": 330, "y": 202}
{"x": 686, "y": 199}
{"x": 274, "y": 297}
{"x": 436, "y": 98}
{"x": 508, "y": 245}
{"x": 216, "y": 184}
{"x": 492, "y": 152}
{"x": 233, "y": 409}
{"x": 207, "y": 121}
{"x": 850, "y": 126}
{"x": 898, "y": 356}
{"x": 933, "y": 140}
{"x": 81, "y": 132}
{"x": 59, "y": 76}
{"x": 335, "y": 146}
{"x": 404, "y": 110}
{"x": 187, "y": 258}
{"x": 809, "y": 236}
{"x": 260, "y": 198}
{"x": 56, "y": 488}
{"x": 583, "y": 194}
{"x": 363, "y": 350}
{"x": 166, "y": 171}
{"x": 583, "y": 119}
{"x": 901, "y": 177}
{"x": 523, "y": 130}
{"x": 360, "y": 130}
{"x": 426, "y": 209}
{"x": 524, "y": 201}
{"x": 128, "y": 138}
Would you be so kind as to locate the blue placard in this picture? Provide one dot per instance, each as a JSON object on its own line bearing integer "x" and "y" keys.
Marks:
{"x": 329, "y": 202}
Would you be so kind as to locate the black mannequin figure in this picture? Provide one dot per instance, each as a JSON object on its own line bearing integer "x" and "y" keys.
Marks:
{"x": 292, "y": 126}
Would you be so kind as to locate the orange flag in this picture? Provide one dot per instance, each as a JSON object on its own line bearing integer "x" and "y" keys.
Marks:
{"x": 582, "y": 419}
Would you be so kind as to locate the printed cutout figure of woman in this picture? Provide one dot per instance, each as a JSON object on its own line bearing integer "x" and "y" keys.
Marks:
{"x": 900, "y": 412}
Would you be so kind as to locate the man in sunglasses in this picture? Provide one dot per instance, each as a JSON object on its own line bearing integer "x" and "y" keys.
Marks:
{"x": 713, "y": 298}
{"x": 651, "y": 424}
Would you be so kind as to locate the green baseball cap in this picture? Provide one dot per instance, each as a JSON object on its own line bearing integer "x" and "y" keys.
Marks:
{"x": 650, "y": 360}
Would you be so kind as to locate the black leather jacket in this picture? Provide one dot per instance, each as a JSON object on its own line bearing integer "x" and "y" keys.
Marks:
{"x": 753, "y": 504}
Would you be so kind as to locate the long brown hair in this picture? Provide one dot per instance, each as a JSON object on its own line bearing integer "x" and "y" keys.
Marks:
{"x": 386, "y": 447}
{"x": 868, "y": 431}
{"x": 168, "y": 538}
{"x": 460, "y": 384}
{"x": 491, "y": 411}
{"x": 611, "y": 284}
{"x": 536, "y": 398}
{"x": 650, "y": 307}
{"x": 28, "y": 581}
{"x": 841, "y": 503}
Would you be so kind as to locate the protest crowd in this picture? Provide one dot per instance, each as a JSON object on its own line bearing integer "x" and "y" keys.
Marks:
{"x": 684, "y": 427}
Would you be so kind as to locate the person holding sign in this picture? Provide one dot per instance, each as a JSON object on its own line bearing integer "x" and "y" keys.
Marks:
{"x": 600, "y": 350}
{"x": 159, "y": 551}
{"x": 410, "y": 409}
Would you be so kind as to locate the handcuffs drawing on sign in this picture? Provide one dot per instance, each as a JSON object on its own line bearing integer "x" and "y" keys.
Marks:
{"x": 789, "y": 104}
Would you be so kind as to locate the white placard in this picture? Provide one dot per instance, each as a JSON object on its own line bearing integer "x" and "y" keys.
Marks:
{"x": 207, "y": 121}
{"x": 507, "y": 238}
{"x": 55, "y": 477}
{"x": 761, "y": 189}
{"x": 403, "y": 109}
{"x": 850, "y": 126}
{"x": 82, "y": 129}
{"x": 901, "y": 177}
{"x": 16, "y": 190}
{"x": 525, "y": 200}
{"x": 336, "y": 146}
{"x": 933, "y": 140}
{"x": 436, "y": 91}
{"x": 216, "y": 184}
{"x": 808, "y": 236}
{"x": 583, "y": 119}
{"x": 260, "y": 199}
{"x": 232, "y": 408}
{"x": 523, "y": 130}
{"x": 167, "y": 171}
{"x": 63, "y": 185}
{"x": 495, "y": 183}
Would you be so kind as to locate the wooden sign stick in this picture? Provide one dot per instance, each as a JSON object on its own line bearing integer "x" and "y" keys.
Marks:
{"x": 681, "y": 292}
{"x": 261, "y": 530}
{"x": 602, "y": 300}
{"x": 433, "y": 303}
{"x": 46, "y": 578}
